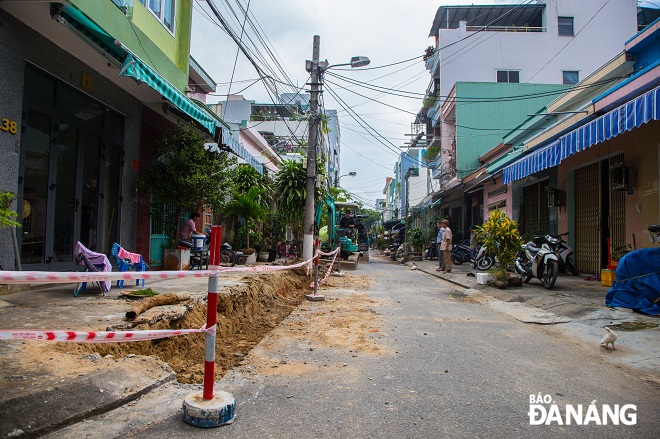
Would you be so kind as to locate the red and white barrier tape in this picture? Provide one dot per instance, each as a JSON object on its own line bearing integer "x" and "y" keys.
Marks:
{"x": 331, "y": 253}
{"x": 96, "y": 336}
{"x": 34, "y": 277}
{"x": 332, "y": 264}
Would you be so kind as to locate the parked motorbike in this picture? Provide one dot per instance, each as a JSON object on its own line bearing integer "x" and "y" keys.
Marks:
{"x": 391, "y": 251}
{"x": 431, "y": 251}
{"x": 538, "y": 262}
{"x": 560, "y": 248}
{"x": 227, "y": 255}
{"x": 460, "y": 253}
{"x": 483, "y": 259}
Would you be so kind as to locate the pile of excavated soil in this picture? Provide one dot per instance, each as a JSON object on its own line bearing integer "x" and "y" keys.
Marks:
{"x": 246, "y": 313}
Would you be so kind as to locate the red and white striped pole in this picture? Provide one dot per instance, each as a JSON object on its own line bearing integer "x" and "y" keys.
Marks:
{"x": 212, "y": 410}
{"x": 211, "y": 314}
{"x": 209, "y": 355}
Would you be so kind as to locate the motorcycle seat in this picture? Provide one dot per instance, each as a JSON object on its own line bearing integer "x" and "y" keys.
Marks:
{"x": 654, "y": 228}
{"x": 533, "y": 249}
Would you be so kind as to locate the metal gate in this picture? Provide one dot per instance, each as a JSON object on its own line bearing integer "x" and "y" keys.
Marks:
{"x": 587, "y": 219}
{"x": 617, "y": 219}
{"x": 535, "y": 215}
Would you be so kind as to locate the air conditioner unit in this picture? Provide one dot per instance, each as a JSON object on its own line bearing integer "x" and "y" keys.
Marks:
{"x": 556, "y": 197}
{"x": 619, "y": 177}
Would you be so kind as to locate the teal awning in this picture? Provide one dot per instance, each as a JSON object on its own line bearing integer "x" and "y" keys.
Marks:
{"x": 137, "y": 69}
{"x": 79, "y": 22}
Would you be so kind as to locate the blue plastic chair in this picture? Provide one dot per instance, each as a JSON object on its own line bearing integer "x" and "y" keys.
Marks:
{"x": 125, "y": 265}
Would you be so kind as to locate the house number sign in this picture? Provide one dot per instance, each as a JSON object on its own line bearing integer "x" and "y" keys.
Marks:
{"x": 8, "y": 125}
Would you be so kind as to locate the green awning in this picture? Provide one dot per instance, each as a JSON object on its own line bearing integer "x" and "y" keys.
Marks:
{"x": 137, "y": 69}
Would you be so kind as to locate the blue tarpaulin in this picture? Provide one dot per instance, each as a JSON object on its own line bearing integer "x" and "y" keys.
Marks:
{"x": 637, "y": 284}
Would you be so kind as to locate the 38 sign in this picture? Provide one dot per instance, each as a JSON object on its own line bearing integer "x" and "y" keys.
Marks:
{"x": 9, "y": 126}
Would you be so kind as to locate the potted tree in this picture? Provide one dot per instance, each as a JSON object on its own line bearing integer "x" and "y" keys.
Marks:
{"x": 416, "y": 240}
{"x": 185, "y": 176}
{"x": 500, "y": 235}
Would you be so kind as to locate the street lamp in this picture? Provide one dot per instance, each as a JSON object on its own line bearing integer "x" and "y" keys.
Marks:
{"x": 316, "y": 69}
{"x": 350, "y": 174}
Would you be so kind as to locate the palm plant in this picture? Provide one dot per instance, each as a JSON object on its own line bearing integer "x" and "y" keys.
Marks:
{"x": 290, "y": 190}
{"x": 248, "y": 206}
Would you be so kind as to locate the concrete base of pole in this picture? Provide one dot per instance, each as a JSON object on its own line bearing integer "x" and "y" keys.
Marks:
{"x": 315, "y": 298}
{"x": 206, "y": 413}
{"x": 337, "y": 273}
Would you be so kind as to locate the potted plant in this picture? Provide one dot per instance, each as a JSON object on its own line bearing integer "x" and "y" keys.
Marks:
{"x": 416, "y": 240}
{"x": 501, "y": 236}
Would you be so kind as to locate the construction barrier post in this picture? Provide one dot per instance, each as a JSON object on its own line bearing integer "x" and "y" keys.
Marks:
{"x": 210, "y": 410}
{"x": 214, "y": 247}
{"x": 211, "y": 320}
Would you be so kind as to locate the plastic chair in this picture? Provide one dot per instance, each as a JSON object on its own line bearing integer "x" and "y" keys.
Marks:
{"x": 126, "y": 264}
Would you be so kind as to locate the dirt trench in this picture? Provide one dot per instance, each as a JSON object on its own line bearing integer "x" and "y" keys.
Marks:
{"x": 246, "y": 313}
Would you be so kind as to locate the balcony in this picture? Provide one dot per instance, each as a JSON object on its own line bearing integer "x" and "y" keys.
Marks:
{"x": 432, "y": 62}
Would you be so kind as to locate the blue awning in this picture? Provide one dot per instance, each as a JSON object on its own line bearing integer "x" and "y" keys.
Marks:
{"x": 232, "y": 143}
{"x": 632, "y": 114}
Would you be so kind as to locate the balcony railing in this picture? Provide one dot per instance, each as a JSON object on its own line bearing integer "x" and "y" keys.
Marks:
{"x": 506, "y": 29}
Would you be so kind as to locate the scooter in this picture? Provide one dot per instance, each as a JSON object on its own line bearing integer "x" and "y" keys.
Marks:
{"x": 538, "y": 262}
{"x": 460, "y": 253}
{"x": 483, "y": 260}
{"x": 560, "y": 248}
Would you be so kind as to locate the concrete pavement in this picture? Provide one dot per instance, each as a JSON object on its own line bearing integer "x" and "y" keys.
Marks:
{"x": 574, "y": 308}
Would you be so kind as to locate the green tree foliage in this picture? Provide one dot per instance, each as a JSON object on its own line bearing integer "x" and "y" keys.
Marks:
{"x": 248, "y": 206}
{"x": 6, "y": 214}
{"x": 185, "y": 175}
{"x": 244, "y": 177}
{"x": 339, "y": 194}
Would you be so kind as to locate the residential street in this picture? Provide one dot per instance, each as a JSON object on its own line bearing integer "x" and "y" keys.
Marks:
{"x": 424, "y": 361}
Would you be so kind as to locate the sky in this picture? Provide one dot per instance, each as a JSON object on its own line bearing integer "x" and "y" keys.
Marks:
{"x": 386, "y": 31}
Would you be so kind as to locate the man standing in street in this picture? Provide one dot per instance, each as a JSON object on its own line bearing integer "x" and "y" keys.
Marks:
{"x": 438, "y": 242}
{"x": 445, "y": 247}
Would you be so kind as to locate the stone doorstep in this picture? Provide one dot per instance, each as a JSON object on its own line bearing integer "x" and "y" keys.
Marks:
{"x": 6, "y": 289}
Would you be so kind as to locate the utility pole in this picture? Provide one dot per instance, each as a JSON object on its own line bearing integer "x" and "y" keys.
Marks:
{"x": 308, "y": 223}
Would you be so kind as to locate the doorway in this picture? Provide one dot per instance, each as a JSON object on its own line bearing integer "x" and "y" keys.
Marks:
{"x": 69, "y": 180}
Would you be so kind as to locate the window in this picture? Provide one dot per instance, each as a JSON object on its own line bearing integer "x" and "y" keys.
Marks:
{"x": 163, "y": 10}
{"x": 566, "y": 26}
{"x": 508, "y": 76}
{"x": 570, "y": 77}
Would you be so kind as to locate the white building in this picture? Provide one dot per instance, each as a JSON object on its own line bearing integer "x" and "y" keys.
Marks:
{"x": 539, "y": 42}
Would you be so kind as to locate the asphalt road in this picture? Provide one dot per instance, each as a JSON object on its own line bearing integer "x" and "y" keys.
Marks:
{"x": 449, "y": 368}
